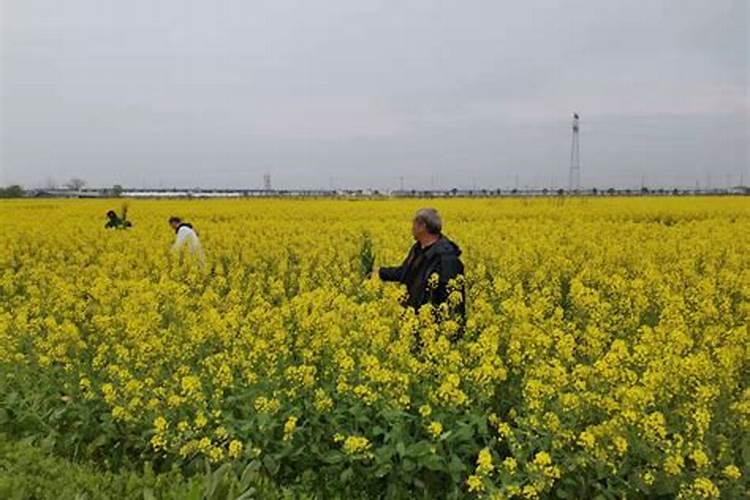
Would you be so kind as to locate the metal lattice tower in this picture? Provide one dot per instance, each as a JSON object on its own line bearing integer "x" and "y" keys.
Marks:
{"x": 574, "y": 180}
{"x": 267, "y": 182}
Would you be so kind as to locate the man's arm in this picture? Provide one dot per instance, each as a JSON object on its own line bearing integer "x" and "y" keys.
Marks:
{"x": 395, "y": 273}
{"x": 391, "y": 273}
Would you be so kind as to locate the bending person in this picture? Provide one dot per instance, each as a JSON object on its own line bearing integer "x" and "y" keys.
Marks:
{"x": 186, "y": 237}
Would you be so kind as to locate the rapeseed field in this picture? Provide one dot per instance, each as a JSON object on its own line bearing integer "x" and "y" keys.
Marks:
{"x": 606, "y": 349}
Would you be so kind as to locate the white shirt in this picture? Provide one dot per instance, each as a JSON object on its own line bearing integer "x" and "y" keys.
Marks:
{"x": 187, "y": 237}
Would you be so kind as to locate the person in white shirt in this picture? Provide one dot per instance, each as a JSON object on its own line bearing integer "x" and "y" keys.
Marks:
{"x": 186, "y": 237}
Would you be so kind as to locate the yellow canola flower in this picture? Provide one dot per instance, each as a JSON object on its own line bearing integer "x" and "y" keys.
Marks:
{"x": 702, "y": 487}
{"x": 700, "y": 458}
{"x": 235, "y": 449}
{"x": 586, "y": 439}
{"x": 435, "y": 429}
{"x": 732, "y": 472}
{"x": 354, "y": 445}
{"x": 475, "y": 483}
{"x": 289, "y": 427}
{"x": 484, "y": 462}
{"x": 621, "y": 444}
{"x": 673, "y": 465}
{"x": 160, "y": 424}
{"x": 510, "y": 464}
{"x": 542, "y": 459}
{"x": 648, "y": 478}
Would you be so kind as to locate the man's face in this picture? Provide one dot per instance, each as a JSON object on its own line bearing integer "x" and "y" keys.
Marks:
{"x": 418, "y": 228}
{"x": 174, "y": 224}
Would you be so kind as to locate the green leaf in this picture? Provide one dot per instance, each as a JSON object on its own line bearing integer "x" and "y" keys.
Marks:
{"x": 419, "y": 449}
{"x": 334, "y": 457}
{"x": 346, "y": 475}
{"x": 247, "y": 474}
{"x": 456, "y": 468}
{"x": 383, "y": 470}
{"x": 383, "y": 454}
{"x": 247, "y": 494}
{"x": 432, "y": 462}
{"x": 271, "y": 465}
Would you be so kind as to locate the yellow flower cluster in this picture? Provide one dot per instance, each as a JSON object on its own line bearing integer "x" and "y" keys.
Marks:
{"x": 289, "y": 427}
{"x": 601, "y": 335}
{"x": 355, "y": 445}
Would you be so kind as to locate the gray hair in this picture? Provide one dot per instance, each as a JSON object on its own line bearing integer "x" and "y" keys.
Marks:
{"x": 431, "y": 219}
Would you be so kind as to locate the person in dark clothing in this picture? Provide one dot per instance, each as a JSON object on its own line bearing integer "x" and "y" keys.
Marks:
{"x": 432, "y": 254}
{"x": 116, "y": 222}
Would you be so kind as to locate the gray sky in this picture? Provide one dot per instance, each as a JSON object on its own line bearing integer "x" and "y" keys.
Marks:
{"x": 215, "y": 93}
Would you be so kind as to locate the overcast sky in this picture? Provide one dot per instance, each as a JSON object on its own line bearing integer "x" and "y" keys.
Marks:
{"x": 361, "y": 93}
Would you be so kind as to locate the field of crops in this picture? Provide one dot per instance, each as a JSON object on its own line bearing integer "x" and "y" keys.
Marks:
{"x": 606, "y": 349}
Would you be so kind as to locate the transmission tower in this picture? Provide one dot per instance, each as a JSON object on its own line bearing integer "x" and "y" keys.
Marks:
{"x": 574, "y": 180}
{"x": 267, "y": 182}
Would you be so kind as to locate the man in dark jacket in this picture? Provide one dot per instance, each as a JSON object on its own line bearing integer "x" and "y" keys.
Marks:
{"x": 116, "y": 222}
{"x": 432, "y": 254}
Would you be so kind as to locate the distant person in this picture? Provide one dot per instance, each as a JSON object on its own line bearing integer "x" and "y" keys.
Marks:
{"x": 432, "y": 254}
{"x": 186, "y": 237}
{"x": 116, "y": 222}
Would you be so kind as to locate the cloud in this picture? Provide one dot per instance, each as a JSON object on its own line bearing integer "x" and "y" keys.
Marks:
{"x": 188, "y": 92}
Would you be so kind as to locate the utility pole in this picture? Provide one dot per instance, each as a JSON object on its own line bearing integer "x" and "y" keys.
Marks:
{"x": 574, "y": 181}
{"x": 267, "y": 182}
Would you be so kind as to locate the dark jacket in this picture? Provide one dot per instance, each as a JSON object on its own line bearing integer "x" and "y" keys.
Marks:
{"x": 441, "y": 258}
{"x": 115, "y": 222}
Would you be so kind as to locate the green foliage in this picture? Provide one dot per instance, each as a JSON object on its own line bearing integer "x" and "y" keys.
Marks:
{"x": 14, "y": 191}
{"x": 366, "y": 255}
{"x": 32, "y": 472}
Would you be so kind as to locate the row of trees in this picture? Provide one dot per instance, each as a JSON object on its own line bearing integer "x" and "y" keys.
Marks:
{"x": 74, "y": 184}
{"x": 14, "y": 191}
